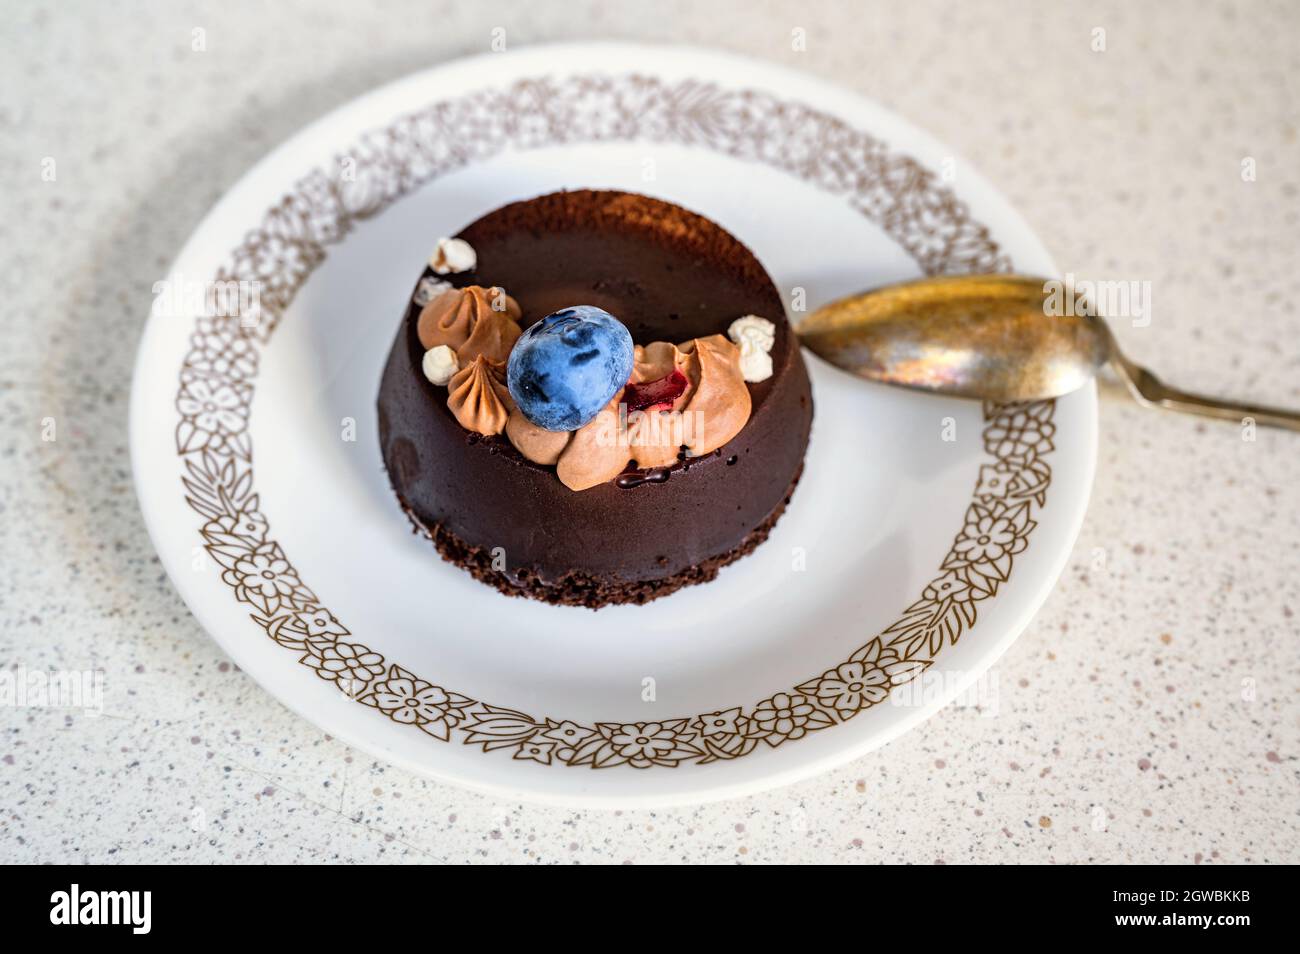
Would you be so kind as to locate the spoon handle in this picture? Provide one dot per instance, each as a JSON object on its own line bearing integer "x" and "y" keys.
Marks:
{"x": 1152, "y": 392}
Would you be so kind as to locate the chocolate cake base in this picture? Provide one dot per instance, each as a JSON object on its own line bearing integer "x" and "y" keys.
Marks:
{"x": 669, "y": 275}
{"x": 579, "y": 589}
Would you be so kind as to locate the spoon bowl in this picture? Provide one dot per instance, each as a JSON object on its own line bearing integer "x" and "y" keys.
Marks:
{"x": 977, "y": 336}
{"x": 1003, "y": 338}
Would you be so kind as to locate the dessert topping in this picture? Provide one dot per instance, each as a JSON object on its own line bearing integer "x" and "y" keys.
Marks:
{"x": 572, "y": 391}
{"x": 453, "y": 255}
{"x": 657, "y": 395}
{"x": 428, "y": 289}
{"x": 472, "y": 321}
{"x": 710, "y": 410}
{"x": 439, "y": 365}
{"x": 598, "y": 451}
{"x": 478, "y": 397}
{"x": 536, "y": 443}
{"x": 720, "y": 403}
{"x": 755, "y": 337}
{"x": 565, "y": 368}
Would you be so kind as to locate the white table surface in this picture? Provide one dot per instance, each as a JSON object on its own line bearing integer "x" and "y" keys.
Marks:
{"x": 1149, "y": 713}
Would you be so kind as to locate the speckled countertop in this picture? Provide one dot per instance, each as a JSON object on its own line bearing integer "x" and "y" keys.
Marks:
{"x": 1151, "y": 713}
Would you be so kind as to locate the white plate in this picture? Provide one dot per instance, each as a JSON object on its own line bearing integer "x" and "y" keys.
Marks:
{"x": 868, "y": 564}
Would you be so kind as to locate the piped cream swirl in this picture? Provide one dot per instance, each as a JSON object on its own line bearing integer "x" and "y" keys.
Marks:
{"x": 472, "y": 321}
{"x": 478, "y": 397}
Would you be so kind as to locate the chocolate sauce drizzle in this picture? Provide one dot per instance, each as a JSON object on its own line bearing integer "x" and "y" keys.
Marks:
{"x": 635, "y": 478}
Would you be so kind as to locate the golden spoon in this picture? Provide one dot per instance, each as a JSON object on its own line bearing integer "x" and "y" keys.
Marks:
{"x": 1001, "y": 338}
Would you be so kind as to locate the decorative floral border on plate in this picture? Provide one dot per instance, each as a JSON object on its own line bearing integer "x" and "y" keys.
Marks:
{"x": 893, "y": 191}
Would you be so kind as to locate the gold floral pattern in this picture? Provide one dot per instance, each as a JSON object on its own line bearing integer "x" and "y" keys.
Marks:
{"x": 906, "y": 200}
{"x": 350, "y": 665}
{"x": 411, "y": 701}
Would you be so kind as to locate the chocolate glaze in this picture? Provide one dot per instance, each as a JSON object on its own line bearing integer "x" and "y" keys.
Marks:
{"x": 636, "y": 478}
{"x": 668, "y": 274}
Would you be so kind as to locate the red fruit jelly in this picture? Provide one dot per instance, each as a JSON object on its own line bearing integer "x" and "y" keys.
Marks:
{"x": 657, "y": 395}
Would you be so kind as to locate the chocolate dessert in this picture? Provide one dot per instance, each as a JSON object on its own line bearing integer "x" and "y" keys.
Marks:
{"x": 594, "y": 398}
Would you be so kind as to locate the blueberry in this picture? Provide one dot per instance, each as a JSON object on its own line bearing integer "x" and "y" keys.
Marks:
{"x": 566, "y": 367}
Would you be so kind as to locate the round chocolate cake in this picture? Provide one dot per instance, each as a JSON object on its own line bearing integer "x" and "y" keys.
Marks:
{"x": 476, "y": 440}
